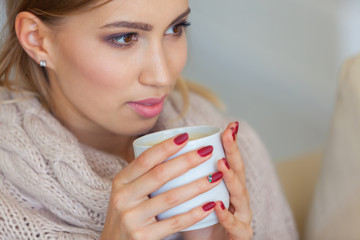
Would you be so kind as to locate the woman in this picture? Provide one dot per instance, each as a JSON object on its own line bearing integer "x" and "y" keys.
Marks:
{"x": 88, "y": 77}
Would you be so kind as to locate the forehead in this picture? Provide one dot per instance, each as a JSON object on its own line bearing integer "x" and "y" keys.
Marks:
{"x": 149, "y": 11}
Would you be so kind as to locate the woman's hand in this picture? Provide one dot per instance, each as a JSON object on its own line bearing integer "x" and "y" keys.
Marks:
{"x": 131, "y": 214}
{"x": 234, "y": 223}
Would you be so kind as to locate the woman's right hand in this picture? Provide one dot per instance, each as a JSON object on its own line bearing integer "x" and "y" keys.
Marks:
{"x": 131, "y": 214}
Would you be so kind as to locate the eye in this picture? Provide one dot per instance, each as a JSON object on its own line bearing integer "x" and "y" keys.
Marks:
{"x": 123, "y": 39}
{"x": 177, "y": 29}
{"x": 174, "y": 30}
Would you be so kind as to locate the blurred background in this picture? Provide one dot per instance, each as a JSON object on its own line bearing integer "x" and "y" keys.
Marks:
{"x": 275, "y": 64}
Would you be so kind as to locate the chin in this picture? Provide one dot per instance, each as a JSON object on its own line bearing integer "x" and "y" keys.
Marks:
{"x": 138, "y": 127}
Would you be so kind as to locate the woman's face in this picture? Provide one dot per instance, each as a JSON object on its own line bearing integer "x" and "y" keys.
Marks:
{"x": 111, "y": 68}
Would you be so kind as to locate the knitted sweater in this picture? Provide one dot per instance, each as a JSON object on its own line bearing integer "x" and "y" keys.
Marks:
{"x": 53, "y": 187}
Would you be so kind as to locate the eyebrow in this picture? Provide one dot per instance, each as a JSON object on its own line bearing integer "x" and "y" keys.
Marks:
{"x": 181, "y": 16}
{"x": 142, "y": 26}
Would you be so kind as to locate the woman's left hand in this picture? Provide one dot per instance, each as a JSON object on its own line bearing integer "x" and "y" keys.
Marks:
{"x": 234, "y": 223}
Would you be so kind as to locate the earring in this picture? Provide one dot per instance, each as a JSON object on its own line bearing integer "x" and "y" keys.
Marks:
{"x": 42, "y": 63}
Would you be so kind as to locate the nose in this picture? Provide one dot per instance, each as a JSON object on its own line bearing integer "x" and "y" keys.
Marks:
{"x": 156, "y": 71}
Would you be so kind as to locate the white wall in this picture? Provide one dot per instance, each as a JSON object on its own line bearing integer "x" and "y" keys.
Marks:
{"x": 2, "y": 12}
{"x": 275, "y": 63}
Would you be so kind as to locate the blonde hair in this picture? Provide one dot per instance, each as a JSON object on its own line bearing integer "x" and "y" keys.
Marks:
{"x": 186, "y": 86}
{"x": 19, "y": 72}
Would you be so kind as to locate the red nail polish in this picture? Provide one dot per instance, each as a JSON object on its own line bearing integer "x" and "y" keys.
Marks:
{"x": 235, "y": 130}
{"x": 181, "y": 138}
{"x": 233, "y": 133}
{"x": 222, "y": 206}
{"x": 205, "y": 151}
{"x": 208, "y": 206}
{"x": 226, "y": 163}
{"x": 215, "y": 177}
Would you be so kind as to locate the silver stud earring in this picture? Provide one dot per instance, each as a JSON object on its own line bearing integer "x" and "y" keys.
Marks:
{"x": 42, "y": 63}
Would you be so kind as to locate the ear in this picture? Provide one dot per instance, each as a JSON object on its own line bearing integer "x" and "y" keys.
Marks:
{"x": 31, "y": 33}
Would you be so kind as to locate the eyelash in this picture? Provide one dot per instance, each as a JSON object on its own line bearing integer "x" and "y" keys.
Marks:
{"x": 184, "y": 24}
{"x": 114, "y": 39}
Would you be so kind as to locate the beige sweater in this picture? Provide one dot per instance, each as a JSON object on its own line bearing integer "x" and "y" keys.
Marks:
{"x": 53, "y": 187}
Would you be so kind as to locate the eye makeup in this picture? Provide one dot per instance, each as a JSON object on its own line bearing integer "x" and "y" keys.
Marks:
{"x": 179, "y": 28}
{"x": 129, "y": 38}
{"x": 122, "y": 39}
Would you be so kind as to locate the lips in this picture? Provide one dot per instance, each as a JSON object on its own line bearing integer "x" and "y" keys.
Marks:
{"x": 148, "y": 108}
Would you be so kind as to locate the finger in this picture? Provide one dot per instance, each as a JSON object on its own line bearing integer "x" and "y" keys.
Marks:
{"x": 176, "y": 196}
{"x": 177, "y": 223}
{"x": 152, "y": 157}
{"x": 239, "y": 196}
{"x": 232, "y": 152}
{"x": 169, "y": 170}
{"x": 233, "y": 226}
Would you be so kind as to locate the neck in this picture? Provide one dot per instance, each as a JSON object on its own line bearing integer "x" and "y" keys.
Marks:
{"x": 101, "y": 139}
{"x": 87, "y": 131}
{"x": 109, "y": 143}
{"x": 97, "y": 137}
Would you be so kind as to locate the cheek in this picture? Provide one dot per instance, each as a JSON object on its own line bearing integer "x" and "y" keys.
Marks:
{"x": 178, "y": 57}
{"x": 101, "y": 74}
{"x": 94, "y": 67}
{"x": 86, "y": 69}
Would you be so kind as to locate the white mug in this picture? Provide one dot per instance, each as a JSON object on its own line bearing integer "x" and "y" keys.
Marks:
{"x": 199, "y": 136}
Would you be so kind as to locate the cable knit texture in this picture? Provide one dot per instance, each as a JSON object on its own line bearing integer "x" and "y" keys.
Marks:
{"x": 53, "y": 187}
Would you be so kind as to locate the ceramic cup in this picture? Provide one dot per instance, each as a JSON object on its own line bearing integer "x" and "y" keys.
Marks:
{"x": 199, "y": 136}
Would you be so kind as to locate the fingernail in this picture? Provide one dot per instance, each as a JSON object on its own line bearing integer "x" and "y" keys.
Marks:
{"x": 215, "y": 177}
{"x": 181, "y": 138}
{"x": 222, "y": 206}
{"x": 235, "y": 130}
{"x": 205, "y": 151}
{"x": 226, "y": 163}
{"x": 208, "y": 206}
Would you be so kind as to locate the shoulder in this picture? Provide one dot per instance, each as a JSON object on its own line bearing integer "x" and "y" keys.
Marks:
{"x": 272, "y": 215}
{"x": 202, "y": 112}
{"x": 17, "y": 97}
{"x": 271, "y": 212}
{"x": 4, "y": 94}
